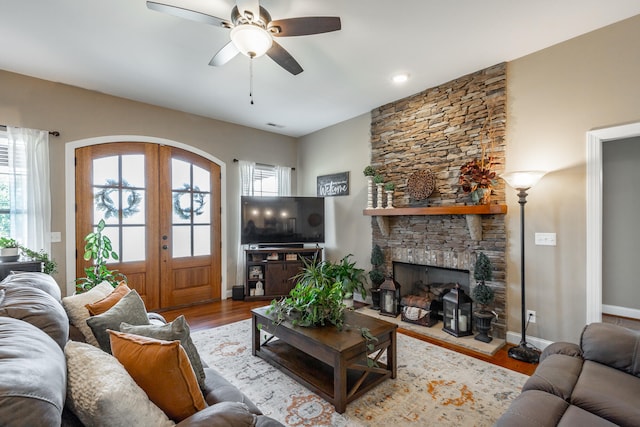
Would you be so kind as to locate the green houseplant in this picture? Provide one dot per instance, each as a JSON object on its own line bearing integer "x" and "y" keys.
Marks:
{"x": 316, "y": 300}
{"x": 484, "y": 296}
{"x": 10, "y": 247}
{"x": 99, "y": 249}
{"x": 350, "y": 277}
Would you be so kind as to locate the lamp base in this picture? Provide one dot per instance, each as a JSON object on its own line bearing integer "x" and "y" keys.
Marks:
{"x": 524, "y": 353}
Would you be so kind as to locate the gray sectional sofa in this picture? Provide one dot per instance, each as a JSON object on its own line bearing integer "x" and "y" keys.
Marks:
{"x": 36, "y": 375}
{"x": 595, "y": 383}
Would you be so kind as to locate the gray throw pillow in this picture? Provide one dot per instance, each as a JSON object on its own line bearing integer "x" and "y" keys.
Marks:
{"x": 176, "y": 330}
{"x": 129, "y": 309}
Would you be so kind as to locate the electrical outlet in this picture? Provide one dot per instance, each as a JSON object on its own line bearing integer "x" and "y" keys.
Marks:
{"x": 531, "y": 316}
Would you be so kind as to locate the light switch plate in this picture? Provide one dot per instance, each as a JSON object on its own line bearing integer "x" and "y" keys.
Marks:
{"x": 56, "y": 237}
{"x": 546, "y": 239}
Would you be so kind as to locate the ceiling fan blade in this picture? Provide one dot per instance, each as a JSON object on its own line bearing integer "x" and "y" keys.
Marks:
{"x": 284, "y": 59}
{"x": 188, "y": 14}
{"x": 304, "y": 26}
{"x": 252, "y": 6}
{"x": 224, "y": 55}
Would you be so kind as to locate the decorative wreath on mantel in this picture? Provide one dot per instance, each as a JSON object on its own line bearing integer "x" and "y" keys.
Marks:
{"x": 198, "y": 202}
{"x": 105, "y": 203}
{"x": 421, "y": 184}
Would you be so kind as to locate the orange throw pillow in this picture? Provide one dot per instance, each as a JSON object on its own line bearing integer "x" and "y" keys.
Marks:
{"x": 162, "y": 369}
{"x": 109, "y": 301}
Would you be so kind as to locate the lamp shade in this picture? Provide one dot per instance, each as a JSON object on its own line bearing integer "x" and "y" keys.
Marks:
{"x": 522, "y": 180}
{"x": 251, "y": 40}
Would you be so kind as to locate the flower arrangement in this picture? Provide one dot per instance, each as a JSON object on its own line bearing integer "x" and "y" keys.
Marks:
{"x": 478, "y": 179}
{"x": 477, "y": 176}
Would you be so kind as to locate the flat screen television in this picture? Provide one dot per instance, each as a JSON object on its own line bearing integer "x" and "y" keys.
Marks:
{"x": 281, "y": 220}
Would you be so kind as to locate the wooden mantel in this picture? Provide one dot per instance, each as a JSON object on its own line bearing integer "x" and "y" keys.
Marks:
{"x": 471, "y": 212}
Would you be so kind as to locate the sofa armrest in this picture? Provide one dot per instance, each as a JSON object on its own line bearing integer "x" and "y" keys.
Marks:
{"x": 612, "y": 345}
{"x": 560, "y": 347}
{"x": 221, "y": 414}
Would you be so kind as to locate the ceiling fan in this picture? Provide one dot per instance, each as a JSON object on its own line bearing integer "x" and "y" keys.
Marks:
{"x": 252, "y": 31}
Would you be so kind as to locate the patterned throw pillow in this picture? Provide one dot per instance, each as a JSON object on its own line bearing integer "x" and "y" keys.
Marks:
{"x": 101, "y": 392}
{"x": 176, "y": 330}
{"x": 130, "y": 309}
{"x": 78, "y": 314}
{"x": 162, "y": 369}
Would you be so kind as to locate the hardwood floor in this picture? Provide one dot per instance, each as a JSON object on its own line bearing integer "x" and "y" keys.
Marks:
{"x": 205, "y": 316}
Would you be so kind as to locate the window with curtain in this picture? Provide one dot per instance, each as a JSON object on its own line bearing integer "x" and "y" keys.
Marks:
{"x": 5, "y": 178}
{"x": 265, "y": 181}
{"x": 25, "y": 200}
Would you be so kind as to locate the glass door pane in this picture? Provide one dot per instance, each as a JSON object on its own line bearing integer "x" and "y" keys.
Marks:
{"x": 118, "y": 185}
{"x": 191, "y": 214}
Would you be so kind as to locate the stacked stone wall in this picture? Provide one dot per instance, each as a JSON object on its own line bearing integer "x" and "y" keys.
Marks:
{"x": 439, "y": 130}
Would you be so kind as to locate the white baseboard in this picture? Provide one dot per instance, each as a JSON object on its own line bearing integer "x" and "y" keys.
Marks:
{"x": 514, "y": 338}
{"x": 632, "y": 313}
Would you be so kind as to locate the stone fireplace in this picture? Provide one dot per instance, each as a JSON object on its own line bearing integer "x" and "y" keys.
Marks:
{"x": 440, "y": 130}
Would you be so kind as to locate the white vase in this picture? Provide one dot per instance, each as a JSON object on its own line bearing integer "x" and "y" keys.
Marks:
{"x": 379, "y": 194}
{"x": 369, "y": 192}
{"x": 389, "y": 199}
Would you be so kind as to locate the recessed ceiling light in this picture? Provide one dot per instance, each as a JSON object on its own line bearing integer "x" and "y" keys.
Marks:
{"x": 400, "y": 78}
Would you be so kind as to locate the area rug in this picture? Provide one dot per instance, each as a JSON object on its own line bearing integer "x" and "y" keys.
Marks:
{"x": 434, "y": 386}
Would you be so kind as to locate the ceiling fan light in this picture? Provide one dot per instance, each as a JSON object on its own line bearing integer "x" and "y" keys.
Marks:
{"x": 251, "y": 40}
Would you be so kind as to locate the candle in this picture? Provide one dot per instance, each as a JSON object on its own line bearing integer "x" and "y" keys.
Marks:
{"x": 462, "y": 322}
{"x": 388, "y": 303}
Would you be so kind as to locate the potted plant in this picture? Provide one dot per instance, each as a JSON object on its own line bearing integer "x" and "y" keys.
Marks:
{"x": 350, "y": 277}
{"x": 9, "y": 249}
{"x": 369, "y": 173}
{"x": 483, "y": 295}
{"x": 316, "y": 300}
{"x": 376, "y": 275}
{"x": 99, "y": 249}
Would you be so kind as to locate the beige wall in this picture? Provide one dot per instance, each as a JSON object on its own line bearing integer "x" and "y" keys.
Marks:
{"x": 554, "y": 97}
{"x": 343, "y": 147}
{"x": 80, "y": 114}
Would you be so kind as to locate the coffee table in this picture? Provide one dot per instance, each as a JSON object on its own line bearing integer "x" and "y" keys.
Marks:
{"x": 330, "y": 362}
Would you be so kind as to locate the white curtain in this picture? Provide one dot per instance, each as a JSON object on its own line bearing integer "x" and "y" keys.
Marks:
{"x": 283, "y": 175}
{"x": 29, "y": 187}
{"x": 246, "y": 170}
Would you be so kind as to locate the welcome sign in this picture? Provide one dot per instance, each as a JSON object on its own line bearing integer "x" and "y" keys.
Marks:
{"x": 336, "y": 184}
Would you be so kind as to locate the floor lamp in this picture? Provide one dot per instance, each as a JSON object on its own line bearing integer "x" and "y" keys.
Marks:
{"x": 522, "y": 181}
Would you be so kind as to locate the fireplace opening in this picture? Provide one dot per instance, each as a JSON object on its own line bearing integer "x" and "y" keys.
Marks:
{"x": 423, "y": 288}
{"x": 414, "y": 278}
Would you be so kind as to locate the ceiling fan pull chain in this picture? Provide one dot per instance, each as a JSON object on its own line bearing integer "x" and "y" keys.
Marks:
{"x": 251, "y": 79}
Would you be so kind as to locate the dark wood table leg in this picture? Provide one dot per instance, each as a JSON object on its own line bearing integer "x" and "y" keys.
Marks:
{"x": 392, "y": 360}
{"x": 340, "y": 384}
{"x": 255, "y": 335}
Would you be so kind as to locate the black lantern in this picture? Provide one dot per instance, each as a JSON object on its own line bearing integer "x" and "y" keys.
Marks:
{"x": 457, "y": 307}
{"x": 390, "y": 297}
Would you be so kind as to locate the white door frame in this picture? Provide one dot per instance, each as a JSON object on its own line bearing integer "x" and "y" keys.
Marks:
{"x": 70, "y": 191}
{"x": 595, "y": 139}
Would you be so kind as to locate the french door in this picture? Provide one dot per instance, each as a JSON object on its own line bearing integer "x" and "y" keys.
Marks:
{"x": 161, "y": 206}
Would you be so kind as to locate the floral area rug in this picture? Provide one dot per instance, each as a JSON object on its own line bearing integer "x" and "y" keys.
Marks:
{"x": 434, "y": 386}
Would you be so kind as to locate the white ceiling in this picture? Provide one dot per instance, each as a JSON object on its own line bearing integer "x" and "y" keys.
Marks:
{"x": 120, "y": 47}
